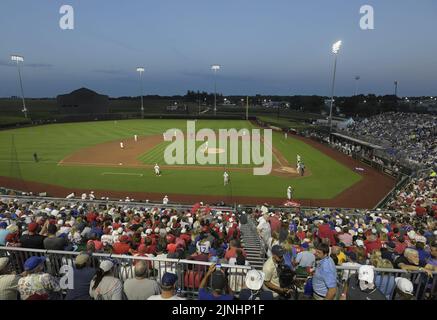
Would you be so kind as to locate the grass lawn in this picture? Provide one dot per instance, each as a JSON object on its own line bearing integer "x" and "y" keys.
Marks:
{"x": 54, "y": 142}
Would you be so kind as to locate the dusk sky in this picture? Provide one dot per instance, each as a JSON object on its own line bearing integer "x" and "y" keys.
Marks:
{"x": 268, "y": 47}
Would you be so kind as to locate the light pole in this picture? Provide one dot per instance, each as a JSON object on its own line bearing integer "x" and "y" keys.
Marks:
{"x": 356, "y": 84}
{"x": 141, "y": 70}
{"x": 19, "y": 59}
{"x": 335, "y": 49}
{"x": 396, "y": 88}
{"x": 215, "y": 68}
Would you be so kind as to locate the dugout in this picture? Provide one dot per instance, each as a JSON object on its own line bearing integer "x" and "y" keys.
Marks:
{"x": 83, "y": 101}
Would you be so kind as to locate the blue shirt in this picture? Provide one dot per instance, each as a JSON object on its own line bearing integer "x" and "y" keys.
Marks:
{"x": 325, "y": 276}
{"x": 82, "y": 279}
{"x": 205, "y": 295}
{"x": 3, "y": 234}
{"x": 386, "y": 284}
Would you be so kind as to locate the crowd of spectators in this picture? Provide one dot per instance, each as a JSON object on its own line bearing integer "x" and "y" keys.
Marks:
{"x": 197, "y": 234}
{"x": 410, "y": 136}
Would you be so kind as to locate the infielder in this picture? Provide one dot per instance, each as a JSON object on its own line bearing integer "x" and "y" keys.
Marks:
{"x": 298, "y": 158}
{"x": 301, "y": 168}
{"x": 289, "y": 193}
{"x": 285, "y": 134}
{"x": 135, "y": 138}
{"x": 226, "y": 178}
{"x": 157, "y": 170}
{"x": 121, "y": 145}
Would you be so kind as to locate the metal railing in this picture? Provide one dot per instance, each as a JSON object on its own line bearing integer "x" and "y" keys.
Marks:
{"x": 189, "y": 272}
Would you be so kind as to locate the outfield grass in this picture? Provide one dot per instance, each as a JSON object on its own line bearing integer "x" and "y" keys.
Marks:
{"x": 56, "y": 141}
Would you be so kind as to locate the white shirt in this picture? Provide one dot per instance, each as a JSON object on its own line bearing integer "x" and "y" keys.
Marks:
{"x": 165, "y": 200}
{"x": 83, "y": 196}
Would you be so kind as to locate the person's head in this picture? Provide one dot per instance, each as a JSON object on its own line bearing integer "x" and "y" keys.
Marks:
{"x": 81, "y": 260}
{"x": 140, "y": 269}
{"x": 168, "y": 282}
{"x": 321, "y": 251}
{"x": 52, "y": 229}
{"x": 241, "y": 260}
{"x": 366, "y": 277}
{"x": 32, "y": 228}
{"x": 3, "y": 225}
{"x": 34, "y": 264}
{"x": 105, "y": 268}
{"x": 404, "y": 288}
{"x": 434, "y": 250}
{"x": 277, "y": 253}
{"x": 218, "y": 281}
{"x": 412, "y": 256}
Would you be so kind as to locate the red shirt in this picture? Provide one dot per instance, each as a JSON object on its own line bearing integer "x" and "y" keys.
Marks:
{"x": 400, "y": 247}
{"x": 171, "y": 247}
{"x": 120, "y": 248}
{"x": 232, "y": 253}
{"x": 91, "y": 216}
{"x": 372, "y": 245}
{"x": 275, "y": 224}
{"x": 186, "y": 237}
{"x": 326, "y": 232}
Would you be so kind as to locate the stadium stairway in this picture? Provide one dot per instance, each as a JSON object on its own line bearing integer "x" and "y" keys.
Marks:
{"x": 251, "y": 243}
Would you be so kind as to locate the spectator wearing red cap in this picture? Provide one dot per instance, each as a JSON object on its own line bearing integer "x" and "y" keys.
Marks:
{"x": 33, "y": 239}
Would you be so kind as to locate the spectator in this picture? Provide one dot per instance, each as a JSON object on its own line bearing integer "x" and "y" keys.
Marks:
{"x": 404, "y": 289}
{"x": 140, "y": 288}
{"x": 168, "y": 291}
{"x": 33, "y": 239}
{"x": 219, "y": 286}
{"x": 304, "y": 259}
{"x": 3, "y": 233}
{"x": 325, "y": 276}
{"x": 270, "y": 269}
{"x": 82, "y": 276}
{"x": 8, "y": 281}
{"x": 104, "y": 286}
{"x": 362, "y": 286}
{"x": 254, "y": 281}
{"x": 410, "y": 261}
{"x": 36, "y": 284}
{"x": 52, "y": 242}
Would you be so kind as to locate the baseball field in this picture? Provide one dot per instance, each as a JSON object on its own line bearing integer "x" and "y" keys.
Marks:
{"x": 87, "y": 156}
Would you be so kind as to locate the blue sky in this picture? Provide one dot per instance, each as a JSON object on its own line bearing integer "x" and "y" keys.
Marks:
{"x": 266, "y": 47}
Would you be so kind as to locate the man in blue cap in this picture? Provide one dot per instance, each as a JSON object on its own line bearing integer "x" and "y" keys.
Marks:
{"x": 36, "y": 284}
{"x": 168, "y": 291}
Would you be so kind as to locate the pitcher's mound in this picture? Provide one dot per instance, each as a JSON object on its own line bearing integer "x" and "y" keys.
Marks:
{"x": 286, "y": 170}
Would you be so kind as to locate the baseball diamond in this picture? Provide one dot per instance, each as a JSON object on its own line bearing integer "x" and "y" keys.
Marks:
{"x": 77, "y": 157}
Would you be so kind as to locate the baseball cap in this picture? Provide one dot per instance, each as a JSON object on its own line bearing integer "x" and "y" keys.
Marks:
{"x": 404, "y": 285}
{"x": 32, "y": 227}
{"x": 305, "y": 245}
{"x": 360, "y": 243}
{"x": 169, "y": 279}
{"x": 365, "y": 273}
{"x": 3, "y": 225}
{"x": 254, "y": 279}
{"x": 106, "y": 265}
{"x": 33, "y": 262}
{"x": 277, "y": 250}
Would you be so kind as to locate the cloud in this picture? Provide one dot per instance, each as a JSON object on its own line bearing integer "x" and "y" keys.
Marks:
{"x": 7, "y": 63}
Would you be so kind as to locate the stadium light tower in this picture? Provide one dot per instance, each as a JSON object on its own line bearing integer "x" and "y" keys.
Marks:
{"x": 141, "y": 70}
{"x": 19, "y": 59}
{"x": 215, "y": 68}
{"x": 356, "y": 84}
{"x": 335, "y": 50}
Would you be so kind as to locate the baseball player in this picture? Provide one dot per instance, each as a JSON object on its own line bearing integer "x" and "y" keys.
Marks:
{"x": 226, "y": 178}
{"x": 206, "y": 146}
{"x": 301, "y": 168}
{"x": 135, "y": 138}
{"x": 285, "y": 134}
{"x": 157, "y": 170}
{"x": 298, "y": 158}
{"x": 121, "y": 145}
{"x": 165, "y": 200}
{"x": 289, "y": 193}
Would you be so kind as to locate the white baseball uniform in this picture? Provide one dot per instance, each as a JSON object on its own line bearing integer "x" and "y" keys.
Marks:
{"x": 122, "y": 145}
{"x": 157, "y": 170}
{"x": 289, "y": 193}
{"x": 135, "y": 138}
{"x": 225, "y": 178}
{"x": 165, "y": 200}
